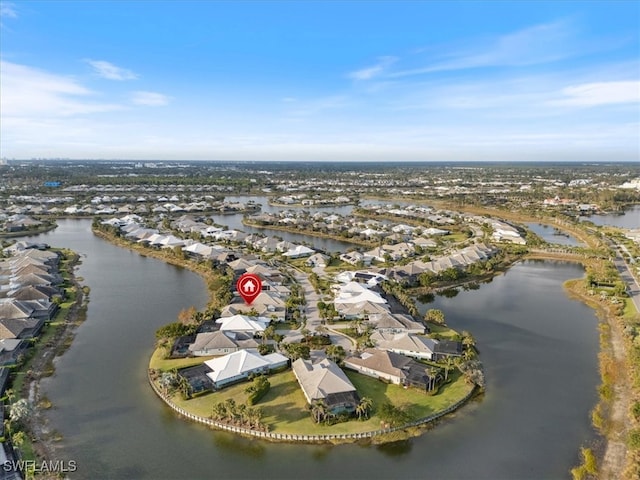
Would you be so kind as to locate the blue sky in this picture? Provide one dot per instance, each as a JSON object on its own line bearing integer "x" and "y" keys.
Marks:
{"x": 332, "y": 80}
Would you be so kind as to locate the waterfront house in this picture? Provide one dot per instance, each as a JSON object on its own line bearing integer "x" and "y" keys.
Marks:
{"x": 394, "y": 368}
{"x": 221, "y": 343}
{"x": 243, "y": 324}
{"x": 237, "y": 366}
{"x": 416, "y": 346}
{"x": 396, "y": 323}
{"x": 325, "y": 381}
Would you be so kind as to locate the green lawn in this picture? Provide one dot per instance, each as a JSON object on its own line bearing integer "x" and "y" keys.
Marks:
{"x": 443, "y": 330}
{"x": 159, "y": 363}
{"x": 629, "y": 308}
{"x": 285, "y": 408}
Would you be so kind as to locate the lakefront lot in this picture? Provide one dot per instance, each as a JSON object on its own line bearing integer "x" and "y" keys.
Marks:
{"x": 285, "y": 409}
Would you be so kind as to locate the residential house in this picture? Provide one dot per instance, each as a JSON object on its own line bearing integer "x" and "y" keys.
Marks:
{"x": 415, "y": 346}
{"x": 325, "y": 381}
{"x": 237, "y": 366}
{"x": 397, "y": 323}
{"x": 221, "y": 343}
{"x": 318, "y": 260}
{"x": 243, "y": 324}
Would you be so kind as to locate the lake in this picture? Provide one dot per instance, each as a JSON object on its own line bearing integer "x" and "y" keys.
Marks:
{"x": 552, "y": 235}
{"x": 629, "y": 219}
{"x": 539, "y": 349}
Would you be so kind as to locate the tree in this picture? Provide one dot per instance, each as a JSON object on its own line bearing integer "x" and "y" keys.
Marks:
{"x": 230, "y": 409}
{"x": 467, "y": 340}
{"x": 19, "y": 411}
{"x": 363, "y": 409}
{"x": 168, "y": 381}
{"x": 393, "y": 415}
{"x": 435, "y": 315}
{"x": 432, "y": 376}
{"x": 473, "y": 372}
{"x": 219, "y": 411}
{"x": 426, "y": 279}
{"x": 448, "y": 365}
{"x": 18, "y": 439}
{"x": 268, "y": 333}
{"x": 318, "y": 410}
{"x": 336, "y": 353}
{"x": 185, "y": 387}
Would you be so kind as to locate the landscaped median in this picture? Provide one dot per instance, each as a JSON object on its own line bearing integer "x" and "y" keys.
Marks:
{"x": 287, "y": 417}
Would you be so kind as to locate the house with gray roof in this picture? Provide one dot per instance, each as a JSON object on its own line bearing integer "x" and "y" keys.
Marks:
{"x": 416, "y": 346}
{"x": 221, "y": 343}
{"x": 397, "y": 323}
{"x": 325, "y": 381}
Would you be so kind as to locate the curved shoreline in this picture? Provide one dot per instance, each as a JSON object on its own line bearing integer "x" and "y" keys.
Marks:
{"x": 189, "y": 265}
{"x": 278, "y": 437}
{"x": 310, "y": 233}
{"x": 337, "y": 438}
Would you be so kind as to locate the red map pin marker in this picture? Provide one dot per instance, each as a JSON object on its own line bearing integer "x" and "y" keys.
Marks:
{"x": 249, "y": 287}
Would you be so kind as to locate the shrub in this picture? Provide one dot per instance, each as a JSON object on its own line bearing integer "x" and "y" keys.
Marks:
{"x": 633, "y": 441}
{"x": 257, "y": 389}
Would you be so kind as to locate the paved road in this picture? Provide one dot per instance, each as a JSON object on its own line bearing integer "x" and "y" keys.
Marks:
{"x": 313, "y": 315}
{"x": 633, "y": 287}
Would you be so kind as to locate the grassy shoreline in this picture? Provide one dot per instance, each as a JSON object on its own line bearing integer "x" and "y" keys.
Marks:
{"x": 452, "y": 392}
{"x": 295, "y": 418}
{"x": 54, "y": 340}
{"x": 311, "y": 233}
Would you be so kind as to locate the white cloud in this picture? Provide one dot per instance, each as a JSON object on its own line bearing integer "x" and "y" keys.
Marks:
{"x": 373, "y": 71}
{"x": 8, "y": 9}
{"x": 110, "y": 71}
{"x": 533, "y": 45}
{"x": 29, "y": 92}
{"x": 150, "y": 99}
{"x": 319, "y": 105}
{"x": 600, "y": 93}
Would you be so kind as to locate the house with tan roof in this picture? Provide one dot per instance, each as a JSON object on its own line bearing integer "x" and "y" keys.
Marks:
{"x": 325, "y": 381}
{"x": 221, "y": 343}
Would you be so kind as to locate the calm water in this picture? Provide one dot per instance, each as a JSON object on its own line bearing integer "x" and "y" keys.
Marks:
{"x": 551, "y": 235}
{"x": 539, "y": 349}
{"x": 324, "y": 244}
{"x": 630, "y": 218}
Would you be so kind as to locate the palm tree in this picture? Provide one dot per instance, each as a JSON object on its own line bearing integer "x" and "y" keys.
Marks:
{"x": 318, "y": 410}
{"x": 434, "y": 315}
{"x": 230, "y": 409}
{"x": 242, "y": 413}
{"x": 218, "y": 411}
{"x": 448, "y": 365}
{"x": 254, "y": 417}
{"x": 468, "y": 340}
{"x": 364, "y": 407}
{"x": 468, "y": 354}
{"x": 268, "y": 333}
{"x": 18, "y": 439}
{"x": 432, "y": 373}
{"x": 335, "y": 352}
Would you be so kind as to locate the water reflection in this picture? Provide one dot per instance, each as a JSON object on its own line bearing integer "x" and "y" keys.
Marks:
{"x": 396, "y": 449}
{"x": 524, "y": 324}
{"x": 239, "y": 446}
{"x": 449, "y": 292}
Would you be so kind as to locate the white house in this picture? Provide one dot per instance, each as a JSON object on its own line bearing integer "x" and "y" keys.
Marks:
{"x": 239, "y": 365}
